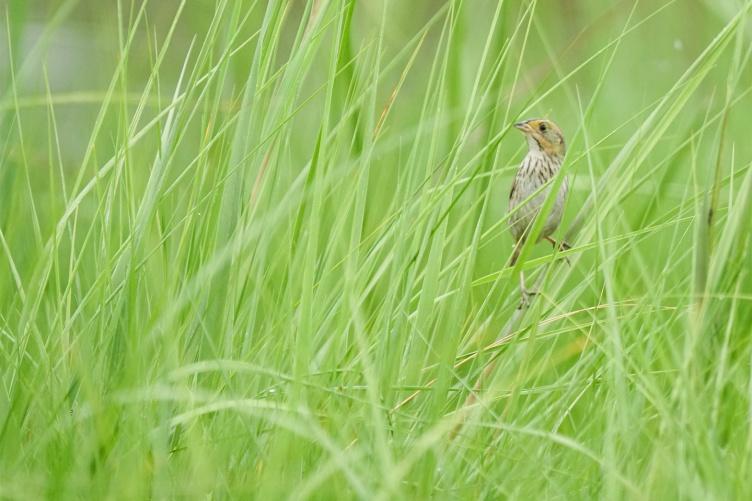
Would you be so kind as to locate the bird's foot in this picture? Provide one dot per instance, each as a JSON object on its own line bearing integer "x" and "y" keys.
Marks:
{"x": 562, "y": 246}
{"x": 526, "y": 297}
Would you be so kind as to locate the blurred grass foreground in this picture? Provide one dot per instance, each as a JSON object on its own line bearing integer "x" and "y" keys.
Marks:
{"x": 257, "y": 249}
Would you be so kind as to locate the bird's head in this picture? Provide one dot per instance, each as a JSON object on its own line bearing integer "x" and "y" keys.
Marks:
{"x": 543, "y": 135}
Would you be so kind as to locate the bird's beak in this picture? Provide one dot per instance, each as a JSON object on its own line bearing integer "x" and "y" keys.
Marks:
{"x": 523, "y": 126}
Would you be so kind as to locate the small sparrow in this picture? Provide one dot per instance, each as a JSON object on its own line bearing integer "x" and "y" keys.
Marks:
{"x": 543, "y": 160}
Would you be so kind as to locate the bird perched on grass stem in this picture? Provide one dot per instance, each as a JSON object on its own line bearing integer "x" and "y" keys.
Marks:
{"x": 545, "y": 155}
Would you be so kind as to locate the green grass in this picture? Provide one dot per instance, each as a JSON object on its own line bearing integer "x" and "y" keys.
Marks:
{"x": 258, "y": 249}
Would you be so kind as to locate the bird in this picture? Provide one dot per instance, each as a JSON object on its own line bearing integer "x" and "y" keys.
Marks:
{"x": 546, "y": 150}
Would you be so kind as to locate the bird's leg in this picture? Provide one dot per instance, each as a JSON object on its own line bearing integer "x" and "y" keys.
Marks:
{"x": 562, "y": 246}
{"x": 525, "y": 293}
{"x": 515, "y": 253}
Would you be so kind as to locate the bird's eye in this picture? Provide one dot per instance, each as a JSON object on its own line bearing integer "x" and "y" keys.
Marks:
{"x": 542, "y": 127}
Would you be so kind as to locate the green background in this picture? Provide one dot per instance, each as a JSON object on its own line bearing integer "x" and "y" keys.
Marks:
{"x": 259, "y": 249}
